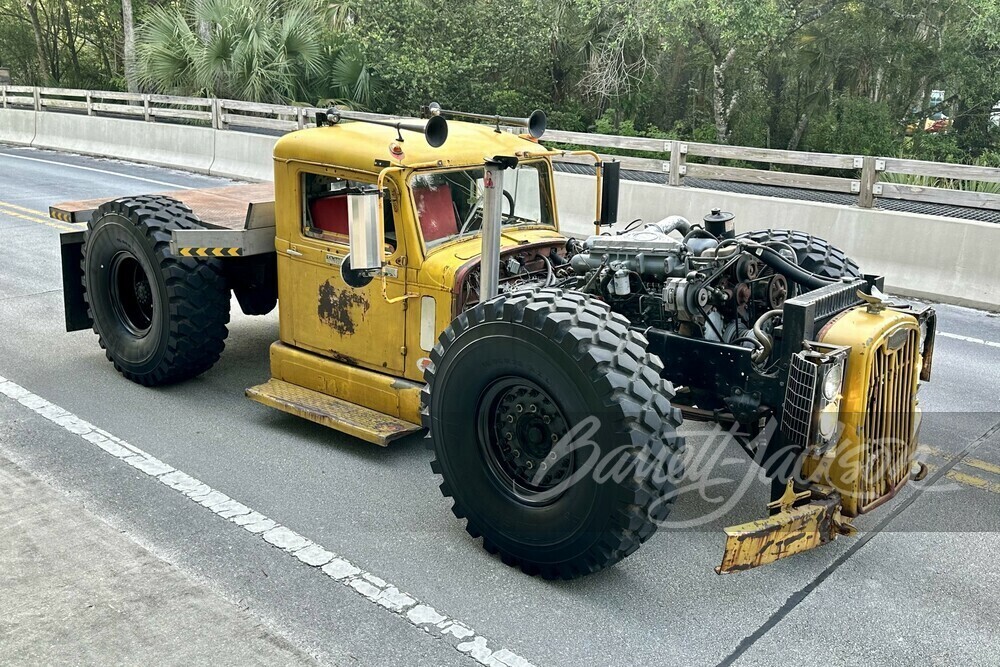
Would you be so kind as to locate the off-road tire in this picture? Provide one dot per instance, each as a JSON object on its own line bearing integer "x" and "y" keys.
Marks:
{"x": 587, "y": 359}
{"x": 189, "y": 303}
{"x": 814, "y": 254}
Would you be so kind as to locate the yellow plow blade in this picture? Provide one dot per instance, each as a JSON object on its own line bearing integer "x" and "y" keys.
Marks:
{"x": 789, "y": 532}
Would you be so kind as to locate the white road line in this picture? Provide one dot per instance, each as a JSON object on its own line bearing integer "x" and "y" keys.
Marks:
{"x": 370, "y": 586}
{"x": 968, "y": 339}
{"x": 99, "y": 171}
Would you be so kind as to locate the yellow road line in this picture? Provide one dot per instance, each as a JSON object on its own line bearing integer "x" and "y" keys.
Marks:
{"x": 34, "y": 217}
{"x": 985, "y": 466}
{"x": 32, "y": 211}
{"x": 968, "y": 480}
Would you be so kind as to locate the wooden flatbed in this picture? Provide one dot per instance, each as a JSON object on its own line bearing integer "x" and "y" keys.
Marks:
{"x": 228, "y": 207}
{"x": 238, "y": 220}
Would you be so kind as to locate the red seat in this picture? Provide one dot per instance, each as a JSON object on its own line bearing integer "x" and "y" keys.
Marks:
{"x": 436, "y": 211}
{"x": 330, "y": 214}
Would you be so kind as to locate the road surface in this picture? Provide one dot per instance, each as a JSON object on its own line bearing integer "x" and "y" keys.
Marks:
{"x": 919, "y": 585}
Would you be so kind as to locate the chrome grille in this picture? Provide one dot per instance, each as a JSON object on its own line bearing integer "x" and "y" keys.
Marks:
{"x": 796, "y": 419}
{"x": 888, "y": 443}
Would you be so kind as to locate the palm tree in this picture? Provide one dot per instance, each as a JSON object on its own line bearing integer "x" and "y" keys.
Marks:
{"x": 254, "y": 50}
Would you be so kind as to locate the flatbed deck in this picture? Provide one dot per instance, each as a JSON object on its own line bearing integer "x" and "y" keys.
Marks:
{"x": 232, "y": 207}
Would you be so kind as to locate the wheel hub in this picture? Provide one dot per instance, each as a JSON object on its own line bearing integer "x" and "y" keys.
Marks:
{"x": 131, "y": 294}
{"x": 524, "y": 425}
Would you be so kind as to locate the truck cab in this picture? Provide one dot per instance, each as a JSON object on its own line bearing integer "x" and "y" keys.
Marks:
{"x": 431, "y": 208}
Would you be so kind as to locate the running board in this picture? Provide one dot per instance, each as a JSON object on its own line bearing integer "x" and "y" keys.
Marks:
{"x": 336, "y": 413}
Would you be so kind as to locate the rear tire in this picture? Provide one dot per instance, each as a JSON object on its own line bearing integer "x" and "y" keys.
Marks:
{"x": 160, "y": 318}
{"x": 814, "y": 254}
{"x": 511, "y": 377}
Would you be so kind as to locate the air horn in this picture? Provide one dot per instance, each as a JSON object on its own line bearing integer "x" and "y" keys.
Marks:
{"x": 535, "y": 122}
{"x": 434, "y": 129}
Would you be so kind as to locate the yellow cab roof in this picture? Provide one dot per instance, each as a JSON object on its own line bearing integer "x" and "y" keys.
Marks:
{"x": 365, "y": 147}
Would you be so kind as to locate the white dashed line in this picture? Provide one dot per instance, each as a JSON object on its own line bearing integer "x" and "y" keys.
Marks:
{"x": 96, "y": 170}
{"x": 370, "y": 586}
{"x": 968, "y": 339}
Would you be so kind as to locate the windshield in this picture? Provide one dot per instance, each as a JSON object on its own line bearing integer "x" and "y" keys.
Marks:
{"x": 449, "y": 204}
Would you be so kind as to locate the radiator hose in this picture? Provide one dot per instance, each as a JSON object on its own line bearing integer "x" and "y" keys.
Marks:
{"x": 793, "y": 271}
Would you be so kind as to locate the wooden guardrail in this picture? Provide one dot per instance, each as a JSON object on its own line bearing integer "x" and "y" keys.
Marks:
{"x": 861, "y": 175}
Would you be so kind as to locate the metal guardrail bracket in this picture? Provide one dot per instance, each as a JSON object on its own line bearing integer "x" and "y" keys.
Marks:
{"x": 855, "y": 187}
{"x": 879, "y": 165}
{"x": 683, "y": 149}
{"x": 859, "y": 162}
{"x": 877, "y": 189}
{"x": 684, "y": 169}
{"x": 666, "y": 167}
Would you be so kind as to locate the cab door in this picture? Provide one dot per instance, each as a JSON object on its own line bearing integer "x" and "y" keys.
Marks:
{"x": 352, "y": 324}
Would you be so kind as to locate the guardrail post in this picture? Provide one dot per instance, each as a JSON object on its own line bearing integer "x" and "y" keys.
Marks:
{"x": 3, "y": 95}
{"x": 217, "y": 121}
{"x": 869, "y": 177}
{"x": 38, "y": 99}
{"x": 678, "y": 162}
{"x": 90, "y": 103}
{"x": 145, "y": 107}
{"x": 300, "y": 117}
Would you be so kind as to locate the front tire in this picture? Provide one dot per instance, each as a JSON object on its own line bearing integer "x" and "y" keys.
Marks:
{"x": 160, "y": 318}
{"x": 509, "y": 380}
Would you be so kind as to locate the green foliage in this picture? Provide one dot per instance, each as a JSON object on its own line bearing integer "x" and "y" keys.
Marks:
{"x": 854, "y": 125}
{"x": 933, "y": 147}
{"x": 830, "y": 75}
{"x": 461, "y": 53}
{"x": 256, "y": 50}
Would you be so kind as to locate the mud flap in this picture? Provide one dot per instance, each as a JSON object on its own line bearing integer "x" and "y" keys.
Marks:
{"x": 786, "y": 533}
{"x": 74, "y": 305}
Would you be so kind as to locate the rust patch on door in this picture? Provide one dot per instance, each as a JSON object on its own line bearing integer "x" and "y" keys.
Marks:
{"x": 338, "y": 308}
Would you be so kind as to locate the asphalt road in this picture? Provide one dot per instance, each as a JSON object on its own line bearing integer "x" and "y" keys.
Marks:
{"x": 919, "y": 585}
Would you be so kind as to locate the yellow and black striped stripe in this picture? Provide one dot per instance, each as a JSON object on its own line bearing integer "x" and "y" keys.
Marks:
{"x": 210, "y": 252}
{"x": 60, "y": 215}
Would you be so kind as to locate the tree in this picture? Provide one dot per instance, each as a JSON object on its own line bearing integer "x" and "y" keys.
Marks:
{"x": 128, "y": 31}
{"x": 256, "y": 50}
{"x": 44, "y": 68}
{"x": 739, "y": 33}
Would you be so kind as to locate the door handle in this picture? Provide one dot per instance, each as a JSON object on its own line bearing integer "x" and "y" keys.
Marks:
{"x": 293, "y": 252}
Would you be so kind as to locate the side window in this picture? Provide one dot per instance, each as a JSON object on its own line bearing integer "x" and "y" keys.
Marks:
{"x": 324, "y": 208}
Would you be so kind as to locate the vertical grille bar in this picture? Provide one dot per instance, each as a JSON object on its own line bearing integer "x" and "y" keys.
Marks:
{"x": 888, "y": 423}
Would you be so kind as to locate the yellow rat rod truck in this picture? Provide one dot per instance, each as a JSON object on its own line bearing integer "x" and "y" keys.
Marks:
{"x": 423, "y": 284}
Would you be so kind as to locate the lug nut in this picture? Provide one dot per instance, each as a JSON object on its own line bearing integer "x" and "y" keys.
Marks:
{"x": 546, "y": 419}
{"x": 532, "y": 408}
{"x": 510, "y": 418}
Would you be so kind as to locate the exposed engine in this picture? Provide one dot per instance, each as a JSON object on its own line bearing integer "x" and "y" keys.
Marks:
{"x": 697, "y": 281}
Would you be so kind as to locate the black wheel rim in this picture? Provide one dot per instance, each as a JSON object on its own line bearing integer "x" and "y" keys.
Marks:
{"x": 131, "y": 294}
{"x": 519, "y": 426}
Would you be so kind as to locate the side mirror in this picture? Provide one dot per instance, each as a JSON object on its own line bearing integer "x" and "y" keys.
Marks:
{"x": 366, "y": 231}
{"x": 610, "y": 181}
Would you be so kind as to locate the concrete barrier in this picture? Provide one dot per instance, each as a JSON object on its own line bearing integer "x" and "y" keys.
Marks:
{"x": 919, "y": 255}
{"x": 162, "y": 144}
{"x": 243, "y": 155}
{"x": 17, "y": 126}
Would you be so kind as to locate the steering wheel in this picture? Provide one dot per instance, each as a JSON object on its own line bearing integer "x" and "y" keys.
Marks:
{"x": 467, "y": 223}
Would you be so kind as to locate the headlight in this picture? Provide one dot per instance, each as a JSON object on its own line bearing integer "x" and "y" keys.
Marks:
{"x": 832, "y": 381}
{"x": 829, "y": 420}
